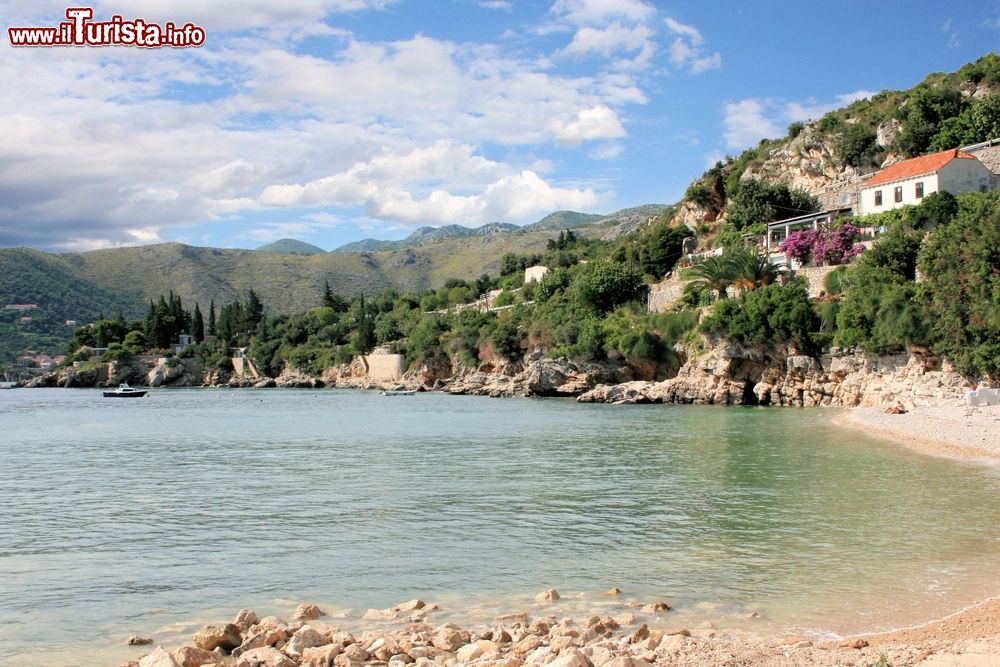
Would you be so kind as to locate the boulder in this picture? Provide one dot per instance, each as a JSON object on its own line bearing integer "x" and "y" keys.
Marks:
{"x": 308, "y": 612}
{"x": 136, "y": 640}
{"x": 550, "y": 595}
{"x": 245, "y": 619}
{"x": 468, "y": 653}
{"x": 190, "y": 656}
{"x": 158, "y": 658}
{"x": 305, "y": 637}
{"x": 450, "y": 638}
{"x": 211, "y": 637}
{"x": 320, "y": 656}
{"x": 265, "y": 656}
{"x": 570, "y": 657}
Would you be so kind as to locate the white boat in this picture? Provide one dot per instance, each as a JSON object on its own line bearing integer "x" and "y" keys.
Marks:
{"x": 125, "y": 391}
{"x": 7, "y": 385}
{"x": 399, "y": 392}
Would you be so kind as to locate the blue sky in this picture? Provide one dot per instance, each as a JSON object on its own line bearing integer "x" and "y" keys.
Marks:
{"x": 335, "y": 120}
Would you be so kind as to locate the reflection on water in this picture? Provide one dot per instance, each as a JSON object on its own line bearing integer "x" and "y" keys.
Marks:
{"x": 124, "y": 516}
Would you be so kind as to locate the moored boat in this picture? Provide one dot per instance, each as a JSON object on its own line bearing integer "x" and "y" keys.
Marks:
{"x": 125, "y": 391}
{"x": 399, "y": 392}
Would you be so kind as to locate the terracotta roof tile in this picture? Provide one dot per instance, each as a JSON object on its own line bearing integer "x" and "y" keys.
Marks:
{"x": 918, "y": 166}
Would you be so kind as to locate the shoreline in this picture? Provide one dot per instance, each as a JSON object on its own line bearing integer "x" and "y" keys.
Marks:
{"x": 959, "y": 433}
{"x": 542, "y": 633}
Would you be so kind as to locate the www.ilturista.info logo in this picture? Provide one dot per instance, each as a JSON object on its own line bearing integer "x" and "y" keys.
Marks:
{"x": 80, "y": 30}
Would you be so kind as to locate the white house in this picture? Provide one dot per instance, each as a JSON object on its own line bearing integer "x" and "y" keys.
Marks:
{"x": 909, "y": 181}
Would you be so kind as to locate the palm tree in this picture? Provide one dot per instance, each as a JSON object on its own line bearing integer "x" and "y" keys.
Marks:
{"x": 751, "y": 269}
{"x": 715, "y": 273}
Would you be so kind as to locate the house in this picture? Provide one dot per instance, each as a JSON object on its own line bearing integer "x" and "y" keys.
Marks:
{"x": 183, "y": 340}
{"x": 909, "y": 181}
{"x": 779, "y": 230}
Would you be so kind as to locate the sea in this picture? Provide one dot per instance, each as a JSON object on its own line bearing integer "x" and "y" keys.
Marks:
{"x": 153, "y": 516}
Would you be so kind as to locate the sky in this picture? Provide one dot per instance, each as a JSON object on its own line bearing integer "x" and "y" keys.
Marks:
{"x": 330, "y": 121}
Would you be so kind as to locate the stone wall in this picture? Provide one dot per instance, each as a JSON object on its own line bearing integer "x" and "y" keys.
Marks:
{"x": 385, "y": 367}
{"x": 663, "y": 295}
{"x": 814, "y": 275}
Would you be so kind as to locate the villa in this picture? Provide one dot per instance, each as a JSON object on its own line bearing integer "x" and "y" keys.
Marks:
{"x": 909, "y": 181}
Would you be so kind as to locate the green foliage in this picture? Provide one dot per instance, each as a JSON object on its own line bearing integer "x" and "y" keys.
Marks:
{"x": 833, "y": 282}
{"x": 961, "y": 289}
{"x": 506, "y": 340}
{"x": 879, "y": 311}
{"x": 609, "y": 283}
{"x": 757, "y": 202}
{"x": 980, "y": 121}
{"x": 774, "y": 314}
{"x": 927, "y": 108}
{"x": 856, "y": 146}
{"x": 795, "y": 129}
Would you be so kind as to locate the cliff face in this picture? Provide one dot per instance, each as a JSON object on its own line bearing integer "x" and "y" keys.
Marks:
{"x": 728, "y": 374}
{"x": 808, "y": 162}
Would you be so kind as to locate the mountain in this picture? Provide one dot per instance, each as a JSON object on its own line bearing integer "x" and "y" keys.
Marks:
{"x": 291, "y": 247}
{"x": 424, "y": 235}
{"x": 564, "y": 220}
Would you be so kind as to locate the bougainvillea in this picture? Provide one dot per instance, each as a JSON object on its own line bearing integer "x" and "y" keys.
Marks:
{"x": 829, "y": 244}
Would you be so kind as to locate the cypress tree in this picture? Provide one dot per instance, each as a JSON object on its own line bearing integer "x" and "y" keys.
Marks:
{"x": 211, "y": 317}
{"x": 198, "y": 325}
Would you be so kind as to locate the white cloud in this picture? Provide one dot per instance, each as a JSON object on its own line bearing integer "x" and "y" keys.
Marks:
{"x": 686, "y": 50}
{"x": 606, "y": 41}
{"x": 597, "y": 12}
{"x": 688, "y": 32}
{"x": 745, "y": 123}
{"x": 811, "y": 110}
{"x": 504, "y": 5}
{"x": 598, "y": 122}
{"x": 411, "y": 192}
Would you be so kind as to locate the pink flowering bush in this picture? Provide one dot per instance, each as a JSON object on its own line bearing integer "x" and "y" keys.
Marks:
{"x": 828, "y": 244}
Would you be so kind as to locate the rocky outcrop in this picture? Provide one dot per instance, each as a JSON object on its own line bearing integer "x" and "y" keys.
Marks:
{"x": 174, "y": 372}
{"x": 729, "y": 374}
{"x": 540, "y": 377}
{"x": 808, "y": 162}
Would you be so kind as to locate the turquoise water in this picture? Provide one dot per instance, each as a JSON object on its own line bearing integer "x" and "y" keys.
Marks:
{"x": 124, "y": 516}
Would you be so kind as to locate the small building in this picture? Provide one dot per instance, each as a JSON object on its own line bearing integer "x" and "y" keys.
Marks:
{"x": 71, "y": 323}
{"x": 535, "y": 274}
{"x": 909, "y": 181}
{"x": 779, "y": 230}
{"x": 183, "y": 340}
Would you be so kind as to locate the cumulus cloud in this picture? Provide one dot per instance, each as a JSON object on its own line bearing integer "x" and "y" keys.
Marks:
{"x": 687, "y": 52}
{"x": 597, "y": 12}
{"x": 606, "y": 41}
{"x": 598, "y": 122}
{"x": 410, "y": 188}
{"x": 746, "y": 123}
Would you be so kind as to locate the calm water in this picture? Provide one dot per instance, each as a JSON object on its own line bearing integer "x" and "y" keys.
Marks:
{"x": 129, "y": 516}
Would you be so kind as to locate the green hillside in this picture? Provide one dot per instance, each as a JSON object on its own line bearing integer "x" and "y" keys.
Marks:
{"x": 564, "y": 220}
{"x": 291, "y": 247}
{"x": 32, "y": 277}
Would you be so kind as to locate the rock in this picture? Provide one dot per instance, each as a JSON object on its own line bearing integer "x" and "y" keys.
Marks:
{"x": 308, "y": 612}
{"x": 526, "y": 645}
{"x": 570, "y": 657}
{"x": 672, "y": 644}
{"x": 245, "y": 619}
{"x": 211, "y": 637}
{"x": 320, "y": 656}
{"x": 158, "y": 658}
{"x": 679, "y": 633}
{"x": 656, "y": 608}
{"x": 355, "y": 653}
{"x": 856, "y": 643}
{"x": 450, "y": 637}
{"x": 642, "y": 632}
{"x": 411, "y": 605}
{"x": 550, "y": 595}
{"x": 136, "y": 640}
{"x": 468, "y": 653}
{"x": 613, "y": 591}
{"x": 265, "y": 656}
{"x": 305, "y": 637}
{"x": 190, "y": 656}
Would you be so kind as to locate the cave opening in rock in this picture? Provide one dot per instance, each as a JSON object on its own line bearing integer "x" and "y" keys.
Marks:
{"x": 749, "y": 398}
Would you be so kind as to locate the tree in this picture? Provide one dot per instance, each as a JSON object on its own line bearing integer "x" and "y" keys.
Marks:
{"x": 211, "y": 317}
{"x": 254, "y": 311}
{"x": 756, "y": 202}
{"x": 365, "y": 333}
{"x": 714, "y": 274}
{"x": 750, "y": 269}
{"x": 333, "y": 300}
{"x": 857, "y": 145}
{"x": 661, "y": 248}
{"x": 609, "y": 283}
{"x": 197, "y": 325}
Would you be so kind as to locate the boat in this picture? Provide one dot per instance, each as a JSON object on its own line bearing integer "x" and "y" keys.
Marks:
{"x": 399, "y": 392}
{"x": 125, "y": 391}
{"x": 7, "y": 385}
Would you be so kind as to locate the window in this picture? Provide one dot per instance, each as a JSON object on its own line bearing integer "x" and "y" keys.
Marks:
{"x": 919, "y": 190}
{"x": 878, "y": 197}
{"x": 897, "y": 194}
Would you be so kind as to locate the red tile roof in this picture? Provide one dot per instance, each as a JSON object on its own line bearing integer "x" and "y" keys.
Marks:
{"x": 918, "y": 166}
